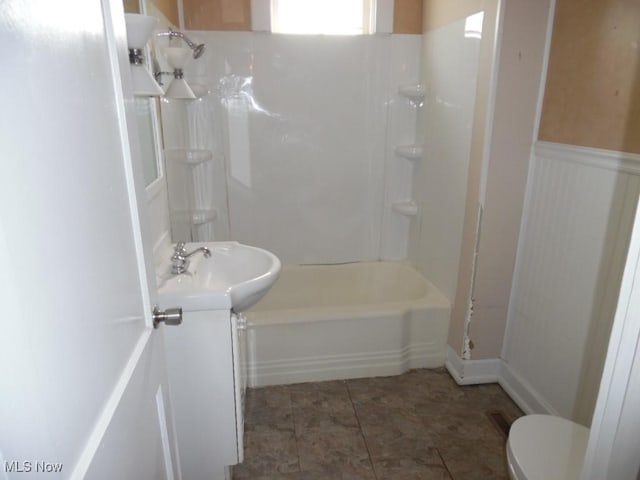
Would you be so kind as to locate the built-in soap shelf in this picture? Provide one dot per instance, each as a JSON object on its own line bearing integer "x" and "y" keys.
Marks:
{"x": 194, "y": 217}
{"x": 190, "y": 156}
{"x": 407, "y": 208}
{"x": 415, "y": 92}
{"x": 411, "y": 152}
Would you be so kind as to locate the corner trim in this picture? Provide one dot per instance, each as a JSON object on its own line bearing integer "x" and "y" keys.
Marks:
{"x": 472, "y": 372}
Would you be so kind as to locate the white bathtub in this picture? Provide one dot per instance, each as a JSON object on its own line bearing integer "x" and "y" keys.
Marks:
{"x": 324, "y": 322}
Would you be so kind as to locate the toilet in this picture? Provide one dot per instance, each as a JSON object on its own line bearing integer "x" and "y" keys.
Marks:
{"x": 544, "y": 447}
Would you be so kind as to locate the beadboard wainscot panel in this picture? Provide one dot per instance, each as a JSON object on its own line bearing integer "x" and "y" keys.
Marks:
{"x": 578, "y": 214}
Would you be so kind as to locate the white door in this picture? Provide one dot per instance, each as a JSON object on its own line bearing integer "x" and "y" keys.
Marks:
{"x": 82, "y": 383}
{"x": 614, "y": 451}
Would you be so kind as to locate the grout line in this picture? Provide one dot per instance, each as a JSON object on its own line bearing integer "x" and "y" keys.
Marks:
{"x": 444, "y": 463}
{"x": 366, "y": 445}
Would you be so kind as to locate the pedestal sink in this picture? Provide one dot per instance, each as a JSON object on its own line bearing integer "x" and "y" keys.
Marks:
{"x": 207, "y": 353}
{"x": 234, "y": 277}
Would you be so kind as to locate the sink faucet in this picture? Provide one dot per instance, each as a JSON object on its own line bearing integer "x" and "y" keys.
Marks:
{"x": 179, "y": 259}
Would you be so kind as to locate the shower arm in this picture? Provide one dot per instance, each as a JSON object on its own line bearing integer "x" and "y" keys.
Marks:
{"x": 172, "y": 33}
{"x": 197, "y": 49}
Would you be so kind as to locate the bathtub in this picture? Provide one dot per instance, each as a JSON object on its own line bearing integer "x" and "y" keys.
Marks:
{"x": 327, "y": 322}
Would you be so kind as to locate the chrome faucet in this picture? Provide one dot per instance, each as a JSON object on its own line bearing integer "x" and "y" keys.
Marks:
{"x": 179, "y": 259}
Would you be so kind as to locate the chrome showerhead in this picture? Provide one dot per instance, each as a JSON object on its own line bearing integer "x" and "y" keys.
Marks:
{"x": 198, "y": 50}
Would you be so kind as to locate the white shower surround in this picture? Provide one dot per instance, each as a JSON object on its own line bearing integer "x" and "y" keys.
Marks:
{"x": 449, "y": 69}
{"x": 308, "y": 127}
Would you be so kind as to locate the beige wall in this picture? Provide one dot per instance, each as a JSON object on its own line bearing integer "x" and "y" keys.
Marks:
{"x": 517, "y": 91}
{"x": 478, "y": 140}
{"x": 236, "y": 15}
{"x": 438, "y": 13}
{"x": 217, "y": 14}
{"x": 592, "y": 98}
{"x": 504, "y": 172}
{"x": 592, "y": 95}
{"x": 131, "y": 6}
{"x": 169, "y": 8}
{"x": 407, "y": 16}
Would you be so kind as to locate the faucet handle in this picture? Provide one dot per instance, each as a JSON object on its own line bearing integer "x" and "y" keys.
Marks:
{"x": 179, "y": 262}
{"x": 180, "y": 248}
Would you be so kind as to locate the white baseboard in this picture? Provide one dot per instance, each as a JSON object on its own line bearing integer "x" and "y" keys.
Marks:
{"x": 464, "y": 372}
{"x": 496, "y": 370}
{"x": 472, "y": 372}
{"x": 522, "y": 393}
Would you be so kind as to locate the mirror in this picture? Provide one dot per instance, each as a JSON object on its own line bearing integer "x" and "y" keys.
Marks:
{"x": 148, "y": 130}
{"x": 147, "y": 118}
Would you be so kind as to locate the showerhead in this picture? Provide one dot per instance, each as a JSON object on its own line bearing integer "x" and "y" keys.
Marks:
{"x": 198, "y": 50}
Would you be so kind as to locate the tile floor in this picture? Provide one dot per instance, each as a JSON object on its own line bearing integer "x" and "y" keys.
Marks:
{"x": 419, "y": 425}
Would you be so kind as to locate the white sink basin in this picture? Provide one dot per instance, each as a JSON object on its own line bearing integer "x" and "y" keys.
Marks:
{"x": 235, "y": 276}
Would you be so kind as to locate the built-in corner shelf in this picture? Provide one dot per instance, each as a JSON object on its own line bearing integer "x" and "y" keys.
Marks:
{"x": 413, "y": 91}
{"x": 190, "y": 156}
{"x": 411, "y": 152}
{"x": 194, "y": 217}
{"x": 408, "y": 208}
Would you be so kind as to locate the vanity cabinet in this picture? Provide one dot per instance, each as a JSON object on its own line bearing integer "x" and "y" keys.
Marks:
{"x": 205, "y": 365}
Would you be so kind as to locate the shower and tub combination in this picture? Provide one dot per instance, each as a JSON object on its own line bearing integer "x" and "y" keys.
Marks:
{"x": 323, "y": 322}
{"x": 312, "y": 147}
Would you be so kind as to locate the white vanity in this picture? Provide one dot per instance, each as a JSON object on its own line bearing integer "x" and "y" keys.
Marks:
{"x": 206, "y": 353}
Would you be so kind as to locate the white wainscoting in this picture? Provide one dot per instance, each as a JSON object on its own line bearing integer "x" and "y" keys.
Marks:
{"x": 576, "y": 225}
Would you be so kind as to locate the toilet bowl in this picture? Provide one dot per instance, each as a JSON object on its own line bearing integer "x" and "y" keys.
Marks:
{"x": 543, "y": 447}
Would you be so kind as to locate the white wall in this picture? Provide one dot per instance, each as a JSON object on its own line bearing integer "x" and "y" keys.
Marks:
{"x": 307, "y": 125}
{"x": 449, "y": 70}
{"x": 578, "y": 214}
